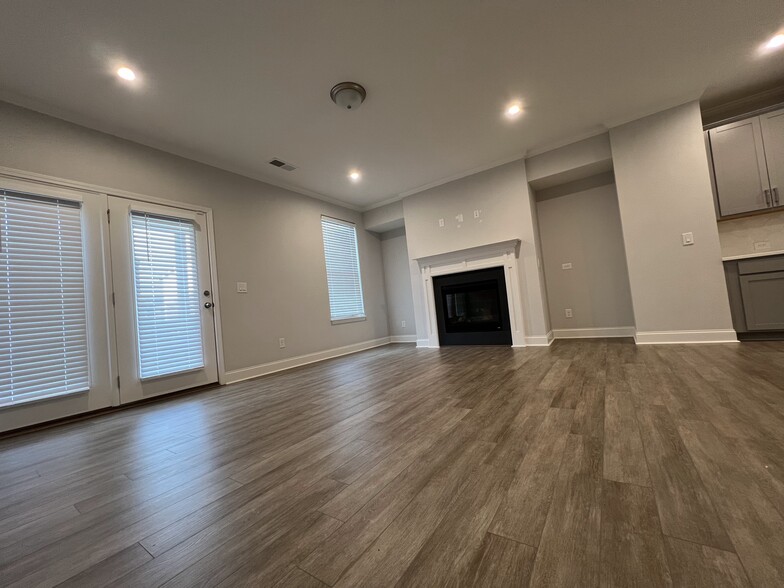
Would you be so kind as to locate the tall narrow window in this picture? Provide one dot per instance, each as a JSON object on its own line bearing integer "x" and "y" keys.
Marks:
{"x": 43, "y": 319}
{"x": 343, "y": 279}
{"x": 168, "y": 306}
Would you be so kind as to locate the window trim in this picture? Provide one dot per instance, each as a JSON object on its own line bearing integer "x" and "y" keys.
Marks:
{"x": 347, "y": 319}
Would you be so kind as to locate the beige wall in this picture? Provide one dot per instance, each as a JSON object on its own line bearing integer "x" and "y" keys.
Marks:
{"x": 507, "y": 212}
{"x": 397, "y": 280}
{"x": 580, "y": 224}
{"x": 266, "y": 236}
{"x": 661, "y": 172}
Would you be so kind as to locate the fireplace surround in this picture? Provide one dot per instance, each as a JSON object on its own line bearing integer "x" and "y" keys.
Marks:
{"x": 503, "y": 255}
{"x": 472, "y": 309}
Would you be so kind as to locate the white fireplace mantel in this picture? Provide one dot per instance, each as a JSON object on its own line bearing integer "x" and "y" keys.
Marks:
{"x": 501, "y": 254}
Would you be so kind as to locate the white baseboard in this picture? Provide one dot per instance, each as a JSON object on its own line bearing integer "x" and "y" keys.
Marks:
{"x": 539, "y": 341}
{"x": 402, "y": 339}
{"x": 673, "y": 337}
{"x": 292, "y": 362}
{"x": 425, "y": 344}
{"x": 594, "y": 333}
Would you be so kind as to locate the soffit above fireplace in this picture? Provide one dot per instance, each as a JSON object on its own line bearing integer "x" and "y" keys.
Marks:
{"x": 471, "y": 253}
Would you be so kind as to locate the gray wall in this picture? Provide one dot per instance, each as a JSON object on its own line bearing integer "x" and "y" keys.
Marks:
{"x": 506, "y": 202}
{"x": 266, "y": 236}
{"x": 661, "y": 173}
{"x": 579, "y": 223}
{"x": 397, "y": 279}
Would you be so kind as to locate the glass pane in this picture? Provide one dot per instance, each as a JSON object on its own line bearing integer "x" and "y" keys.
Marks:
{"x": 168, "y": 303}
{"x": 43, "y": 317}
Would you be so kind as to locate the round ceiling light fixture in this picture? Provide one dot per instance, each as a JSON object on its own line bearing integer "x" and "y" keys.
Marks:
{"x": 348, "y": 95}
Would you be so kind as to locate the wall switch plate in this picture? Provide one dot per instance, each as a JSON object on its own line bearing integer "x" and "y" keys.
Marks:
{"x": 477, "y": 213}
{"x": 440, "y": 222}
{"x": 459, "y": 218}
{"x": 688, "y": 239}
{"x": 761, "y": 245}
{"x": 242, "y": 287}
{"x": 403, "y": 324}
{"x": 566, "y": 266}
{"x": 282, "y": 342}
{"x": 568, "y": 313}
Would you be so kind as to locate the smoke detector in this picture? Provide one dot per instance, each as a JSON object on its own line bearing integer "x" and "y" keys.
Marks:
{"x": 348, "y": 95}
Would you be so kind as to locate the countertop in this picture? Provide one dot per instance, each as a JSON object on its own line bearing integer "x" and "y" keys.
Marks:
{"x": 750, "y": 255}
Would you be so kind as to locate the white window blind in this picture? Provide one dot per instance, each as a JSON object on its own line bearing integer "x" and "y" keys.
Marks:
{"x": 343, "y": 278}
{"x": 168, "y": 303}
{"x": 43, "y": 319}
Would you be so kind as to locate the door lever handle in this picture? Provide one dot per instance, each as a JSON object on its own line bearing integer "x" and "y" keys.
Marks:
{"x": 767, "y": 197}
{"x": 776, "y": 196}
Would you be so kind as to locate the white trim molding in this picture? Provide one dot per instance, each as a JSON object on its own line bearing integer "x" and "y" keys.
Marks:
{"x": 594, "y": 333}
{"x": 263, "y": 369}
{"x": 538, "y": 340}
{"x": 502, "y": 254}
{"x": 402, "y": 339}
{"x": 675, "y": 337}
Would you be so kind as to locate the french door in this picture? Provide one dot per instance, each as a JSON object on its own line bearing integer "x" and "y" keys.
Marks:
{"x": 55, "y": 306}
{"x": 163, "y": 302}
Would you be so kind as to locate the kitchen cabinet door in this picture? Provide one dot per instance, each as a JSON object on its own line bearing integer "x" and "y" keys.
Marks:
{"x": 740, "y": 169}
{"x": 763, "y": 301}
{"x": 772, "y": 125}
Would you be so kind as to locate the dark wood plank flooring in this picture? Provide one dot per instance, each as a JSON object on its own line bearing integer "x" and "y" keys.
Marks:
{"x": 584, "y": 464}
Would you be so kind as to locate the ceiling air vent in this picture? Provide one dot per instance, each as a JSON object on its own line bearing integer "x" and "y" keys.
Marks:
{"x": 282, "y": 165}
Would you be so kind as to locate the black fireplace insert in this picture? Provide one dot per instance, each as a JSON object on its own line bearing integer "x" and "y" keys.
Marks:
{"x": 472, "y": 308}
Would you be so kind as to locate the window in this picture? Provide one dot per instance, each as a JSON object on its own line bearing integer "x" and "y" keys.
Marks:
{"x": 43, "y": 318}
{"x": 343, "y": 279}
{"x": 168, "y": 304}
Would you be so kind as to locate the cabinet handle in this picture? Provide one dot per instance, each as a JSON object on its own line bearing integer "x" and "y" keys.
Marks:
{"x": 767, "y": 197}
{"x": 776, "y": 196}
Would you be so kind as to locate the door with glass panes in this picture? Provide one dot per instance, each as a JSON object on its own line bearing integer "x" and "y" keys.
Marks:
{"x": 55, "y": 343}
{"x": 163, "y": 302}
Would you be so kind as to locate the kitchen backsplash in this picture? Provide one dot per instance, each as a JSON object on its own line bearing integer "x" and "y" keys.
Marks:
{"x": 739, "y": 236}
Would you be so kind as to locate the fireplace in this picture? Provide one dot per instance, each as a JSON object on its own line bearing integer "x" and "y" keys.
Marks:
{"x": 472, "y": 308}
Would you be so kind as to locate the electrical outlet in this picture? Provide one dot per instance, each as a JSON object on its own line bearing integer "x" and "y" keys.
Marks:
{"x": 403, "y": 324}
{"x": 761, "y": 245}
{"x": 242, "y": 287}
{"x": 566, "y": 266}
{"x": 568, "y": 312}
{"x": 441, "y": 222}
{"x": 477, "y": 213}
{"x": 282, "y": 342}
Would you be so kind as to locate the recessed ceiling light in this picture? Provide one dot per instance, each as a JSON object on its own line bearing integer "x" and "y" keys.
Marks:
{"x": 126, "y": 74}
{"x": 513, "y": 110}
{"x": 354, "y": 175}
{"x": 776, "y": 42}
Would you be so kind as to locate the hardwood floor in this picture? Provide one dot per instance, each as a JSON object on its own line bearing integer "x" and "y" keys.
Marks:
{"x": 584, "y": 464}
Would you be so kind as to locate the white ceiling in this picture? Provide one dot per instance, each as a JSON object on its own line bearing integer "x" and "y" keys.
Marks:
{"x": 235, "y": 83}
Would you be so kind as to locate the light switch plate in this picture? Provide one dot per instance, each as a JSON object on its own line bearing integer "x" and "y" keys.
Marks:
{"x": 459, "y": 218}
{"x": 440, "y": 222}
{"x": 242, "y": 287}
{"x": 566, "y": 266}
{"x": 688, "y": 238}
{"x": 282, "y": 342}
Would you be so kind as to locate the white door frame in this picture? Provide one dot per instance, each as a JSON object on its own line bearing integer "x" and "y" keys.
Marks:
{"x": 53, "y": 181}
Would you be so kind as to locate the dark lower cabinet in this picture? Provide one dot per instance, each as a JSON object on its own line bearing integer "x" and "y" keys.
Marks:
{"x": 763, "y": 301}
{"x": 756, "y": 291}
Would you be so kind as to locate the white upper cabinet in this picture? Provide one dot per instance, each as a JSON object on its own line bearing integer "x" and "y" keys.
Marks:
{"x": 773, "y": 136}
{"x": 739, "y": 165}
